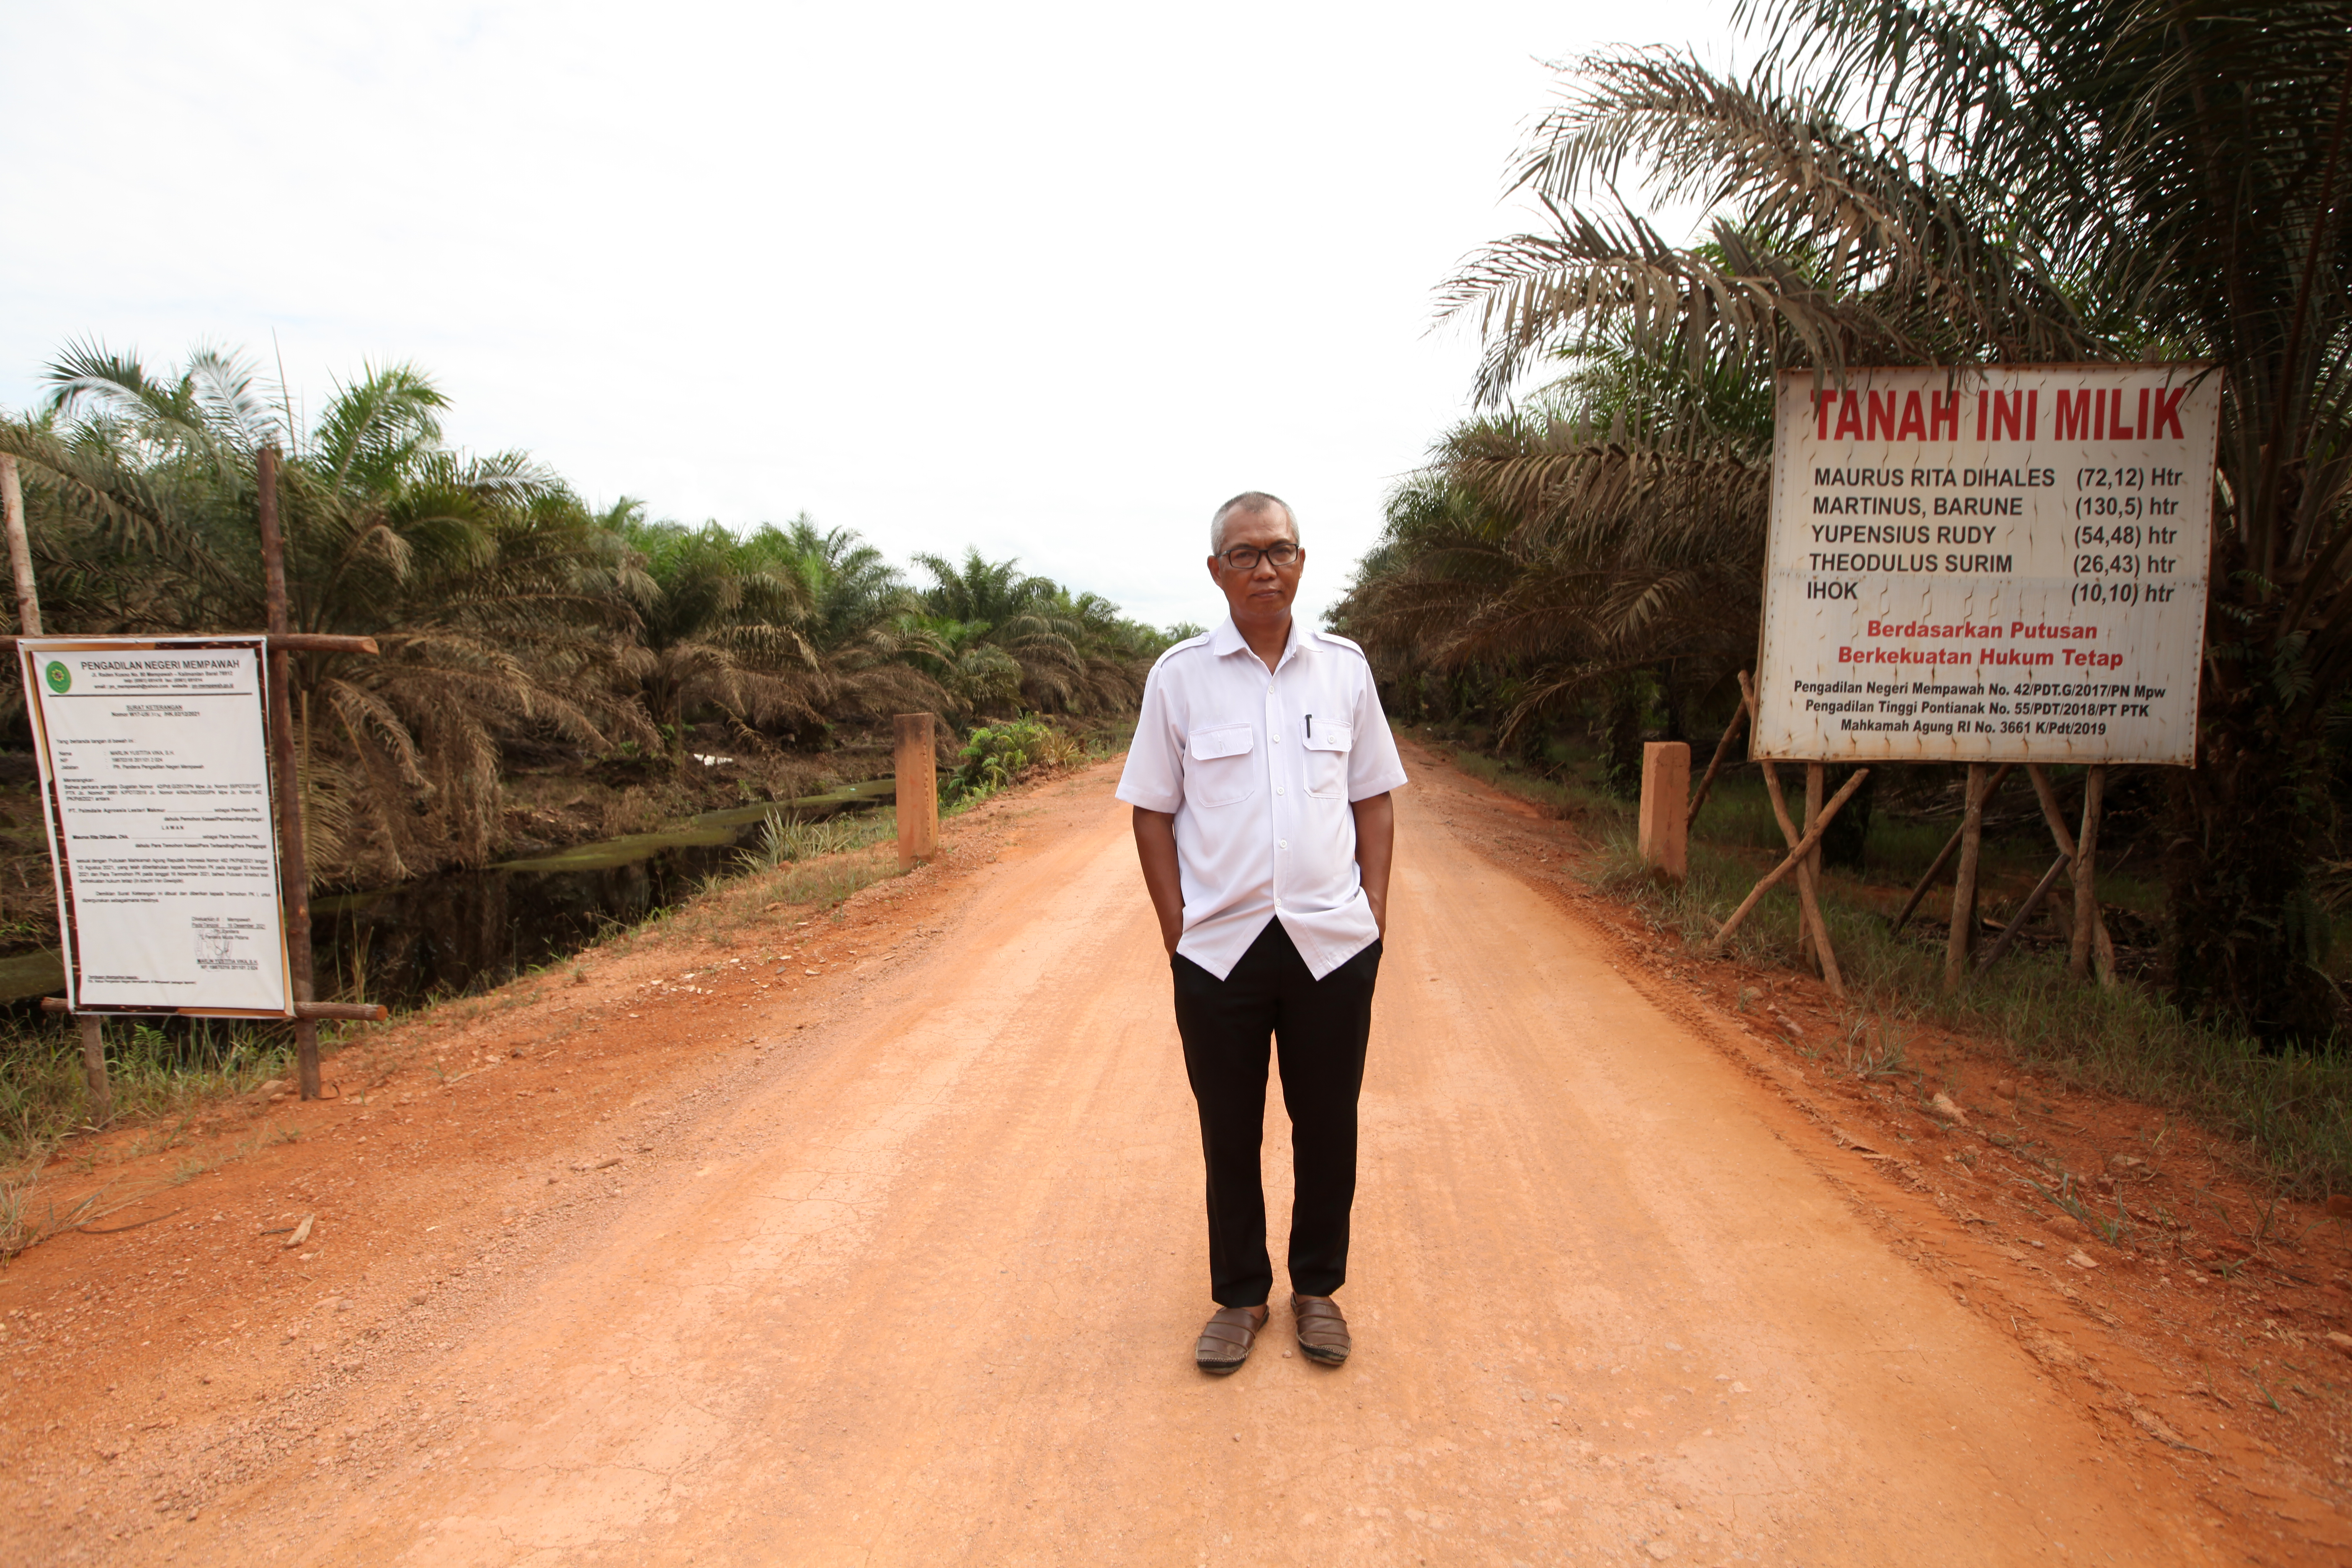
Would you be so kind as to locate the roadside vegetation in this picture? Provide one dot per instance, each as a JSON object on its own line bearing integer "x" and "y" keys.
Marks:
{"x": 524, "y": 634}
{"x": 551, "y": 673}
{"x": 1981, "y": 182}
{"x": 1579, "y": 567}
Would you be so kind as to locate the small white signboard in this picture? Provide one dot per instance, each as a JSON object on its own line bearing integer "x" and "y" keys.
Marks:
{"x": 156, "y": 771}
{"x": 2005, "y": 565}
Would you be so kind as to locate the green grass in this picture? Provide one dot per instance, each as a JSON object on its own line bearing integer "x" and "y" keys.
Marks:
{"x": 1740, "y": 812}
{"x": 2293, "y": 1108}
{"x": 151, "y": 1076}
{"x": 784, "y": 839}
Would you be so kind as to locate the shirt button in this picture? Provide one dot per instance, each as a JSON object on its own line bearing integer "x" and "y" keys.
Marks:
{"x": 1282, "y": 844}
{"x": 1277, "y": 789}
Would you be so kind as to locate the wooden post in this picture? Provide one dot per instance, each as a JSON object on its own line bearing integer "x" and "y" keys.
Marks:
{"x": 1964, "y": 881}
{"x": 293, "y": 864}
{"x": 919, "y": 791}
{"x": 20, "y": 550}
{"x": 1943, "y": 856}
{"x": 1808, "y": 878}
{"x": 2103, "y": 946}
{"x": 1666, "y": 785}
{"x": 28, "y": 623}
{"x": 93, "y": 1069}
{"x": 1814, "y": 931}
{"x": 2086, "y": 873}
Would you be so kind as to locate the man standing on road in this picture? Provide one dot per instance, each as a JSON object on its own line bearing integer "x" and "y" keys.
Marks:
{"x": 1260, "y": 777}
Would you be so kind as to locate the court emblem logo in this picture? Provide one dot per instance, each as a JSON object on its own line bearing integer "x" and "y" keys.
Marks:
{"x": 60, "y": 678}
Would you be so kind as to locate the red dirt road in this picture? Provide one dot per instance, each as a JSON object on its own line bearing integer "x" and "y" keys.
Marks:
{"x": 920, "y": 1288}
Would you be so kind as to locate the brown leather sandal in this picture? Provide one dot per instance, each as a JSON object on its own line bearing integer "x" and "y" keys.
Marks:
{"x": 1322, "y": 1331}
{"x": 1226, "y": 1339}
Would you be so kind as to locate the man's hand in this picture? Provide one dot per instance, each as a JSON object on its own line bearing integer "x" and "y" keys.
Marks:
{"x": 1155, "y": 846}
{"x": 1375, "y": 842}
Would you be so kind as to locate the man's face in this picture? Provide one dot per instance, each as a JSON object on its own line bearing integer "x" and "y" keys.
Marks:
{"x": 1263, "y": 592}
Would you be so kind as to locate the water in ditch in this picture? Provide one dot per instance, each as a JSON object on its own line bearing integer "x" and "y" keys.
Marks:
{"x": 470, "y": 930}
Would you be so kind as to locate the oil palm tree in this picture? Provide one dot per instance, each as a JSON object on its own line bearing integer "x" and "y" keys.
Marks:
{"x": 1072, "y": 654}
{"x": 1607, "y": 532}
{"x": 1005, "y": 647}
{"x": 496, "y": 604}
{"x": 2008, "y": 180}
{"x": 857, "y": 622}
{"x": 722, "y": 629}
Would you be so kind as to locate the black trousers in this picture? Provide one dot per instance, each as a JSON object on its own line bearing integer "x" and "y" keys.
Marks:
{"x": 1320, "y": 1027}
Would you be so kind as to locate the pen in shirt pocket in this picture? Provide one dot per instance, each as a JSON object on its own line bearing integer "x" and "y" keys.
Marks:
{"x": 1310, "y": 726}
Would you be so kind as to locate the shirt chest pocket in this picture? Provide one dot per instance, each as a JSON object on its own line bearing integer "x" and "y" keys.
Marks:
{"x": 1327, "y": 760}
{"x": 1220, "y": 769}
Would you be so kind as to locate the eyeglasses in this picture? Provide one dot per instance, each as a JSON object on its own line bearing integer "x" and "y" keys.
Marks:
{"x": 1245, "y": 557}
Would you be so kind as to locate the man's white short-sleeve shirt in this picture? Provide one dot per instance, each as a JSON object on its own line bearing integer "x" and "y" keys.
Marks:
{"x": 1260, "y": 770}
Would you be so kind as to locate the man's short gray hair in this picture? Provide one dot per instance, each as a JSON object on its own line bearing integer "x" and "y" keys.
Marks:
{"x": 1251, "y": 501}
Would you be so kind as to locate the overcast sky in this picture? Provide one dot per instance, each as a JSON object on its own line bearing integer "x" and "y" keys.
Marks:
{"x": 1051, "y": 280}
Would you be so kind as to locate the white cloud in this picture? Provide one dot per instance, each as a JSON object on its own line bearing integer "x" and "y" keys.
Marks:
{"x": 1052, "y": 280}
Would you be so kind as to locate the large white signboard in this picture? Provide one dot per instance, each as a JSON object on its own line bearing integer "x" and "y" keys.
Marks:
{"x": 1997, "y": 565}
{"x": 155, "y": 767}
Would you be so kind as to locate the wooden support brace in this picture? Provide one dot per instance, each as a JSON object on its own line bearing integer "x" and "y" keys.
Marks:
{"x": 1813, "y": 949}
{"x": 1803, "y": 848}
{"x": 293, "y": 857}
{"x": 1722, "y": 749}
{"x": 20, "y": 551}
{"x": 278, "y": 642}
{"x": 1815, "y": 934}
{"x": 2032, "y": 902}
{"x": 1943, "y": 857}
{"x": 2086, "y": 875}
